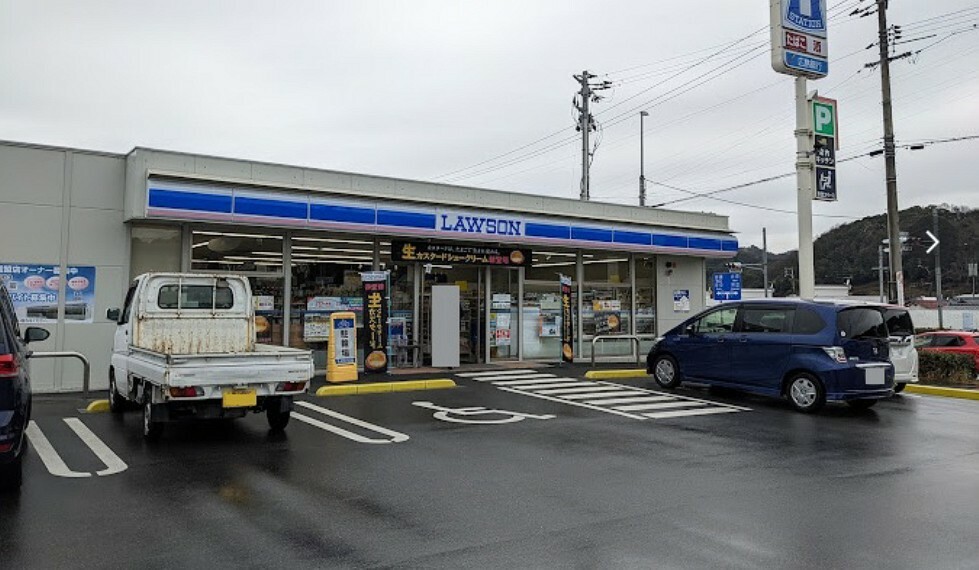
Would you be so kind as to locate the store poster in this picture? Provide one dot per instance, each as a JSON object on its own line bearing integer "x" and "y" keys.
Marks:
{"x": 681, "y": 300}
{"x": 607, "y": 316}
{"x": 264, "y": 303}
{"x": 34, "y": 290}
{"x": 375, "y": 287}
{"x": 567, "y": 325}
{"x": 316, "y": 320}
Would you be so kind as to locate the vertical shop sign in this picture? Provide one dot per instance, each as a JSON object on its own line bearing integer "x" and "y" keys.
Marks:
{"x": 375, "y": 285}
{"x": 567, "y": 324}
{"x": 342, "y": 363}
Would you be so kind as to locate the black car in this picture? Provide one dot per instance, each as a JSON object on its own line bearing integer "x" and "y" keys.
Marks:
{"x": 15, "y": 391}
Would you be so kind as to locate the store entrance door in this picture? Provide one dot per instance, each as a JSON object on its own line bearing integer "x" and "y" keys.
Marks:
{"x": 503, "y": 319}
{"x": 470, "y": 281}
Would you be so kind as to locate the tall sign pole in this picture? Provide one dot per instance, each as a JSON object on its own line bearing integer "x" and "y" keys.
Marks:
{"x": 800, "y": 48}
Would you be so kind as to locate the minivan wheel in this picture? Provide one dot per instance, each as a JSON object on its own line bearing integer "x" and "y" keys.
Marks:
{"x": 666, "y": 372}
{"x": 806, "y": 393}
{"x": 899, "y": 387}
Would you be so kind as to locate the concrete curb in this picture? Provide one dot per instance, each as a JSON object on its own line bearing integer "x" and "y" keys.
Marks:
{"x": 943, "y": 391}
{"x": 616, "y": 374}
{"x": 384, "y": 387}
{"x": 97, "y": 407}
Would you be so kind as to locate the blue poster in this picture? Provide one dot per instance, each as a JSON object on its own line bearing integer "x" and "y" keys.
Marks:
{"x": 36, "y": 289}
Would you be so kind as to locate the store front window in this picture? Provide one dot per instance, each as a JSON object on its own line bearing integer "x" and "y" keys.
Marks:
{"x": 646, "y": 301}
{"x": 606, "y": 302}
{"x": 541, "y": 330}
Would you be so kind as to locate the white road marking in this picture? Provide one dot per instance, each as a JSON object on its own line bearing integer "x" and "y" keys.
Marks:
{"x": 659, "y": 406}
{"x": 396, "y": 437}
{"x": 446, "y": 414}
{"x": 513, "y": 377}
{"x": 581, "y": 389}
{"x": 570, "y": 403}
{"x": 494, "y": 372}
{"x": 608, "y": 393}
{"x": 567, "y": 383}
{"x": 113, "y": 464}
{"x": 540, "y": 381}
{"x": 635, "y": 400}
{"x": 56, "y": 466}
{"x": 692, "y": 412}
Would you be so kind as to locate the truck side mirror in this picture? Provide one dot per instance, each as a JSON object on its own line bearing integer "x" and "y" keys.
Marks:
{"x": 35, "y": 334}
{"x": 112, "y": 315}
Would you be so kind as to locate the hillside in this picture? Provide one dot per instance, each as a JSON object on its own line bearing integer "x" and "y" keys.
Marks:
{"x": 849, "y": 252}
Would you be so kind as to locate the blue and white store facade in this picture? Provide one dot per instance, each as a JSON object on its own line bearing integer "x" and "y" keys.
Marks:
{"x": 303, "y": 237}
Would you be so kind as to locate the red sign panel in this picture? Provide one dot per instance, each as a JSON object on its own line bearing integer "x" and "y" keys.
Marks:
{"x": 802, "y": 43}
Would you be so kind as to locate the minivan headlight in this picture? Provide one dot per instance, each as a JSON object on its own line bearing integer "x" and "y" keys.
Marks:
{"x": 836, "y": 353}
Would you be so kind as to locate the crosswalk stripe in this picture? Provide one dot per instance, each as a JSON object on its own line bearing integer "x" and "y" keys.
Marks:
{"x": 532, "y": 382}
{"x": 596, "y": 396}
{"x": 571, "y": 403}
{"x": 635, "y": 400}
{"x": 113, "y": 464}
{"x": 495, "y": 372}
{"x": 691, "y": 412}
{"x": 580, "y": 389}
{"x": 512, "y": 377}
{"x": 567, "y": 383}
{"x": 659, "y": 406}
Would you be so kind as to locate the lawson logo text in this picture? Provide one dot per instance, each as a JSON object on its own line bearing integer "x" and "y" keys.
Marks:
{"x": 480, "y": 225}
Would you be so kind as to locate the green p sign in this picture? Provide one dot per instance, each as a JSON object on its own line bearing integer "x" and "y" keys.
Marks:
{"x": 824, "y": 117}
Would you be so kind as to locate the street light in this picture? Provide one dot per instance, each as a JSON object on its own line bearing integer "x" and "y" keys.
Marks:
{"x": 642, "y": 171}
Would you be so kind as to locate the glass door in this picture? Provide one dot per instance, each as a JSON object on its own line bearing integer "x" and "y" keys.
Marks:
{"x": 503, "y": 323}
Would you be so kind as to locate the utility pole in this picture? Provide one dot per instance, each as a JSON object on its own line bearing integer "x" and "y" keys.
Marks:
{"x": 880, "y": 271}
{"x": 586, "y": 123}
{"x": 890, "y": 167}
{"x": 938, "y": 269}
{"x": 764, "y": 259}
{"x": 642, "y": 160}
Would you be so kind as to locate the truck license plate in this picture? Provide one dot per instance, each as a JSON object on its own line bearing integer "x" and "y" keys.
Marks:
{"x": 239, "y": 398}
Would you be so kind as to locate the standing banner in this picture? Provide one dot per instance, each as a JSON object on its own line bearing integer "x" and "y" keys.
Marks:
{"x": 375, "y": 285}
{"x": 341, "y": 364}
{"x": 567, "y": 324}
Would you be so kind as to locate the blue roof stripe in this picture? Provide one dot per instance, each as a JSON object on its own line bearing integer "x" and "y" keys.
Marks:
{"x": 195, "y": 201}
{"x": 591, "y": 234}
{"x": 704, "y": 243}
{"x": 729, "y": 245}
{"x": 405, "y": 219}
{"x": 347, "y": 214}
{"x": 533, "y": 229}
{"x": 247, "y": 205}
{"x": 637, "y": 238}
{"x": 663, "y": 240}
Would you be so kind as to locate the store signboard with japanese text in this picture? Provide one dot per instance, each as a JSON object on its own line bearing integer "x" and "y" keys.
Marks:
{"x": 825, "y": 127}
{"x": 567, "y": 325}
{"x": 341, "y": 365}
{"x": 681, "y": 300}
{"x": 799, "y": 37}
{"x": 459, "y": 254}
{"x": 375, "y": 286}
{"x": 35, "y": 289}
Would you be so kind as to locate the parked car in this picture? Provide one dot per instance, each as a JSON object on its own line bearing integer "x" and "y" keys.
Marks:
{"x": 904, "y": 357}
{"x": 15, "y": 391}
{"x": 956, "y": 342}
{"x": 806, "y": 351}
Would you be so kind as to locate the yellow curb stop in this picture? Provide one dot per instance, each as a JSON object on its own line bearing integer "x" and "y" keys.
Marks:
{"x": 616, "y": 374}
{"x": 943, "y": 391}
{"x": 382, "y": 387}
{"x": 97, "y": 406}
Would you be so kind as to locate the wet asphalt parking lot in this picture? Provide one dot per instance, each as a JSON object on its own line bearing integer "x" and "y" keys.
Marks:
{"x": 581, "y": 474}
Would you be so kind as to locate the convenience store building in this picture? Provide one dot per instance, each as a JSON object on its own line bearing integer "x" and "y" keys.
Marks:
{"x": 304, "y": 235}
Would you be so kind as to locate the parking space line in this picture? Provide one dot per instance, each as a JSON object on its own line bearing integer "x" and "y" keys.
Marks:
{"x": 635, "y": 400}
{"x": 659, "y": 406}
{"x": 570, "y": 403}
{"x": 396, "y": 437}
{"x": 56, "y": 466}
{"x": 494, "y": 373}
{"x": 685, "y": 413}
{"x": 598, "y": 395}
{"x": 113, "y": 464}
{"x": 582, "y": 388}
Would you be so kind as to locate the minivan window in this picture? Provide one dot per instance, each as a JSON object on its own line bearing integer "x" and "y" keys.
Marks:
{"x": 721, "y": 321}
{"x": 770, "y": 320}
{"x": 807, "y": 322}
{"x": 899, "y": 322}
{"x": 195, "y": 297}
{"x": 861, "y": 322}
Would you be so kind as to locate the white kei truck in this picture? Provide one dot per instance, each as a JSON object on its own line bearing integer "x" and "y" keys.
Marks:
{"x": 185, "y": 347}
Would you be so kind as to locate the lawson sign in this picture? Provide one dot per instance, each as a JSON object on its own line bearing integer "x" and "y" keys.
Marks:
{"x": 458, "y": 223}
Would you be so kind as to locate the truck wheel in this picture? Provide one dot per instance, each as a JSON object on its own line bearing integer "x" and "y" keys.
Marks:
{"x": 278, "y": 420}
{"x": 152, "y": 429}
{"x": 117, "y": 404}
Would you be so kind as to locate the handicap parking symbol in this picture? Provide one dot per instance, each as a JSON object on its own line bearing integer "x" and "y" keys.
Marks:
{"x": 468, "y": 415}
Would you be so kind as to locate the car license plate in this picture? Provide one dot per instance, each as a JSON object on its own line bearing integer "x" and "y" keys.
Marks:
{"x": 874, "y": 376}
{"x": 239, "y": 398}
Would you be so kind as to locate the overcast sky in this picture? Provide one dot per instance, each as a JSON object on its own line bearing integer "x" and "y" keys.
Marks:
{"x": 425, "y": 89}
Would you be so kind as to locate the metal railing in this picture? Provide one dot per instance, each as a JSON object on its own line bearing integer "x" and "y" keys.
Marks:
{"x": 86, "y": 367}
{"x": 605, "y": 337}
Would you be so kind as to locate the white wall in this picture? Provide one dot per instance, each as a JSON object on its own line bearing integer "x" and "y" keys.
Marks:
{"x": 954, "y": 319}
{"x": 687, "y": 273}
{"x": 64, "y": 207}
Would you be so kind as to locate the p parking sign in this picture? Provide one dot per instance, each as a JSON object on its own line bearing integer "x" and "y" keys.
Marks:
{"x": 824, "y": 117}
{"x": 825, "y": 143}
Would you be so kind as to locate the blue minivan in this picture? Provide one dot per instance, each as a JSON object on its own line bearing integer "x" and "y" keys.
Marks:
{"x": 806, "y": 351}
